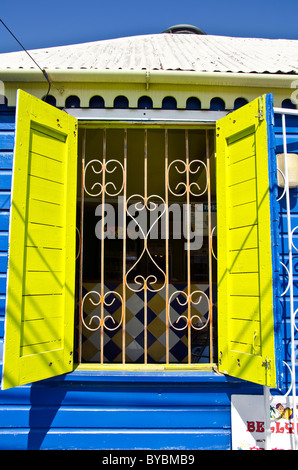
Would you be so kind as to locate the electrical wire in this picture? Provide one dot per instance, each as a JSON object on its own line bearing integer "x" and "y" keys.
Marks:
{"x": 42, "y": 70}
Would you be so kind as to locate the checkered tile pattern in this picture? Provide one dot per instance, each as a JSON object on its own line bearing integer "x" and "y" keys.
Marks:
{"x": 134, "y": 325}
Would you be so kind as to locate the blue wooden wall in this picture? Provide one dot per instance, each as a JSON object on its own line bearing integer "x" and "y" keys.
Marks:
{"x": 94, "y": 410}
{"x": 121, "y": 411}
{"x": 7, "y": 130}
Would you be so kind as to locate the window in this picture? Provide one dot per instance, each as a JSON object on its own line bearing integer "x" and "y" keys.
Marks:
{"x": 146, "y": 245}
{"x": 40, "y": 319}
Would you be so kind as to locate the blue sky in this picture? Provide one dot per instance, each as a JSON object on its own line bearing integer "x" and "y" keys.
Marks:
{"x": 40, "y": 24}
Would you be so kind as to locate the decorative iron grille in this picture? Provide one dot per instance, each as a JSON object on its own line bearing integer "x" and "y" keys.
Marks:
{"x": 146, "y": 277}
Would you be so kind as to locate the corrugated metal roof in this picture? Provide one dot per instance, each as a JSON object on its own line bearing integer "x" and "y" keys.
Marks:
{"x": 185, "y": 52}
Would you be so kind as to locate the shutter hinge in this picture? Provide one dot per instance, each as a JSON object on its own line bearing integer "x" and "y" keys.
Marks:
{"x": 261, "y": 110}
{"x": 267, "y": 363}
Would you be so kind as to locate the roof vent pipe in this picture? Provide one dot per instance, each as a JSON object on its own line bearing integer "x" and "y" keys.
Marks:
{"x": 184, "y": 29}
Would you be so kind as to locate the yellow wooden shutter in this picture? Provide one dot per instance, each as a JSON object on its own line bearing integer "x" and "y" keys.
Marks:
{"x": 245, "y": 285}
{"x": 39, "y": 322}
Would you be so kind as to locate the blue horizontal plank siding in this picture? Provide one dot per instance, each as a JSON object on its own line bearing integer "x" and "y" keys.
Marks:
{"x": 6, "y": 159}
{"x": 3, "y": 261}
{"x": 84, "y": 410}
{"x": 4, "y": 241}
{"x": 7, "y": 135}
{"x": 6, "y": 139}
{"x": 119, "y": 417}
{"x": 86, "y": 439}
{"x": 5, "y": 178}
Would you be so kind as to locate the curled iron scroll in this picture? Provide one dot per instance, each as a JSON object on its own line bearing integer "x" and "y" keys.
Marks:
{"x": 98, "y": 168}
{"x": 187, "y": 168}
{"x": 189, "y": 299}
{"x": 101, "y": 320}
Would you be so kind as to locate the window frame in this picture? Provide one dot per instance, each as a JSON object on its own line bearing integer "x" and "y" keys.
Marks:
{"x": 160, "y": 118}
{"x": 140, "y": 118}
{"x": 147, "y": 116}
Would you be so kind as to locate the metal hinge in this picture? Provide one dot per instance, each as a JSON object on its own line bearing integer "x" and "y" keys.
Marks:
{"x": 267, "y": 363}
{"x": 261, "y": 110}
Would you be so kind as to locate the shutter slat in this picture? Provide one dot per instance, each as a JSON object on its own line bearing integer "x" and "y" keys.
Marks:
{"x": 39, "y": 324}
{"x": 245, "y": 279}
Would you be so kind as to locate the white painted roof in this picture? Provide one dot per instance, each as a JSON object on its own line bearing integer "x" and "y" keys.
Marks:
{"x": 185, "y": 52}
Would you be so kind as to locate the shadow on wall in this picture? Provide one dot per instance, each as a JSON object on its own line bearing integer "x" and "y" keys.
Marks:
{"x": 46, "y": 400}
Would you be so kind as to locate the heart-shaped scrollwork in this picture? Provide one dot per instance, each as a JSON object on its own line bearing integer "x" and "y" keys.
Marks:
{"x": 149, "y": 204}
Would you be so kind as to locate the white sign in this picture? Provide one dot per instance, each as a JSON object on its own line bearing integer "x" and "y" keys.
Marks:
{"x": 248, "y": 423}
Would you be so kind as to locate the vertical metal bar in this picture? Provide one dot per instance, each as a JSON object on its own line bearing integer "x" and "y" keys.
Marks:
{"x": 210, "y": 245}
{"x": 145, "y": 166}
{"x": 290, "y": 244}
{"x": 188, "y": 246}
{"x": 124, "y": 249}
{"x": 102, "y": 248}
{"x": 167, "y": 245}
{"x": 145, "y": 241}
{"x": 81, "y": 246}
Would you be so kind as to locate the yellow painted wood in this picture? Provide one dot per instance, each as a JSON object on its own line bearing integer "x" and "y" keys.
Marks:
{"x": 40, "y": 283}
{"x": 242, "y": 170}
{"x": 45, "y": 190}
{"x": 243, "y": 215}
{"x": 48, "y": 236}
{"x": 242, "y": 332}
{"x": 41, "y": 269}
{"x": 41, "y": 331}
{"x": 241, "y": 145}
{"x": 47, "y": 142}
{"x": 245, "y": 293}
{"x": 42, "y": 306}
{"x": 245, "y": 307}
{"x": 44, "y": 212}
{"x": 244, "y": 261}
{"x": 245, "y": 284}
{"x": 247, "y": 235}
{"x": 39, "y": 348}
{"x": 46, "y": 168}
{"x": 44, "y": 259}
{"x": 204, "y": 86}
{"x": 242, "y": 193}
